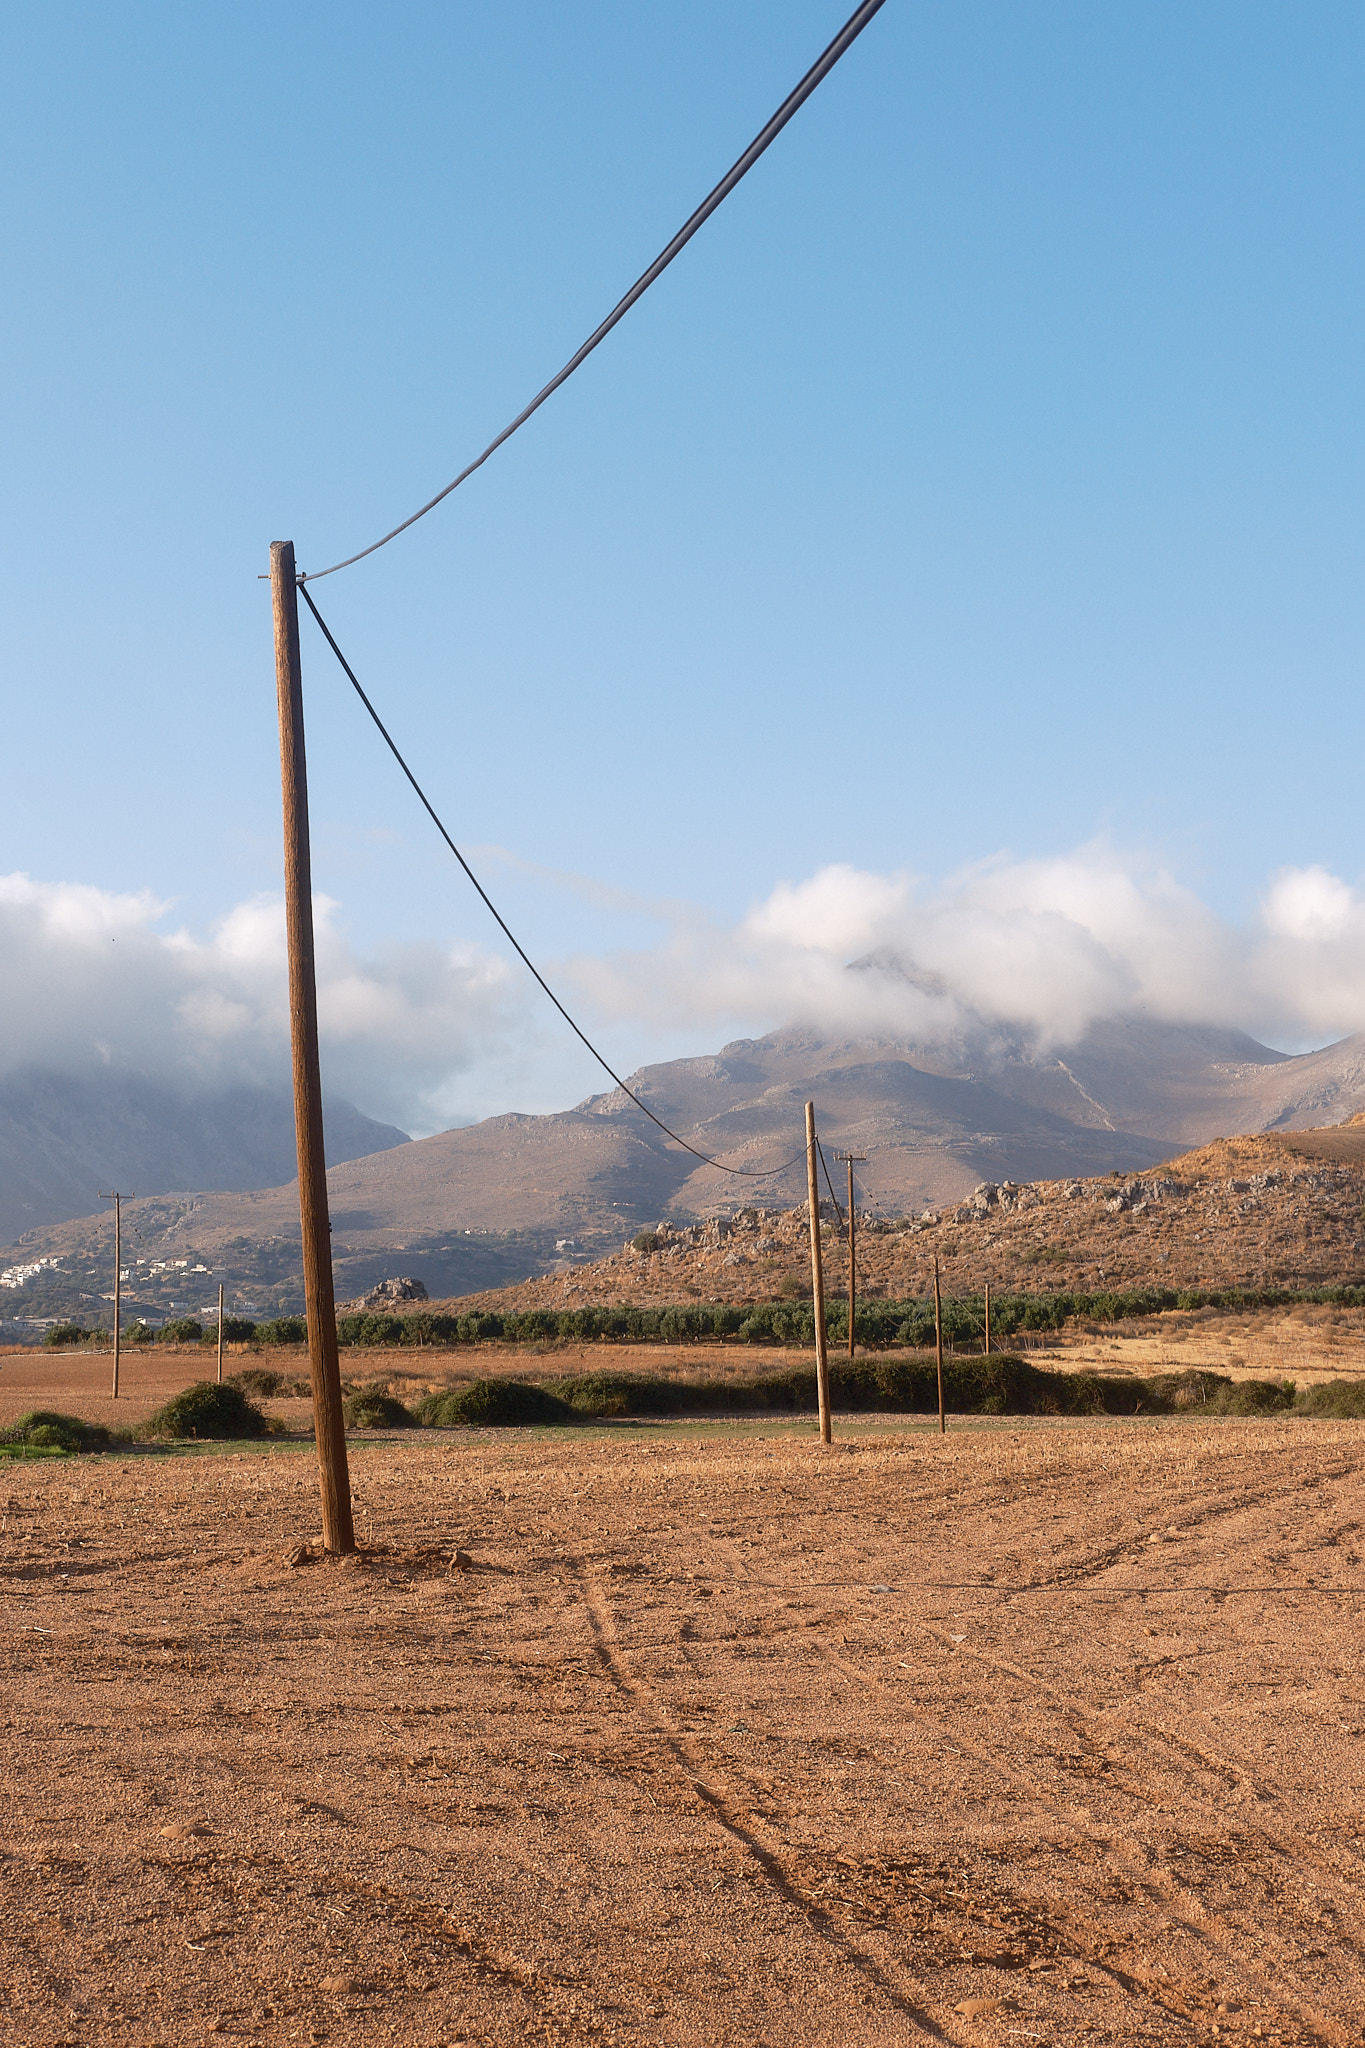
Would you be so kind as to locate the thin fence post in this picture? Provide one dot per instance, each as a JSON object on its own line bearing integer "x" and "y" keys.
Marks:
{"x": 988, "y": 1319}
{"x": 220, "y": 1333}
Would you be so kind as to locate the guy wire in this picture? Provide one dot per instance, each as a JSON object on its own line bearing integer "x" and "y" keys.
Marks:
{"x": 740, "y": 1172}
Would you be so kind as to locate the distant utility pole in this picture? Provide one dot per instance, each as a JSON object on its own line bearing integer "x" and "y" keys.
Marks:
{"x": 938, "y": 1348}
{"x": 338, "y": 1531}
{"x": 817, "y": 1279}
{"x": 220, "y": 1333}
{"x": 988, "y": 1319}
{"x": 848, "y": 1159}
{"x": 117, "y": 1199}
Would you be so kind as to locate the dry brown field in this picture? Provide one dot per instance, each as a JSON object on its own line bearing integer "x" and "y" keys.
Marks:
{"x": 1036, "y": 1732}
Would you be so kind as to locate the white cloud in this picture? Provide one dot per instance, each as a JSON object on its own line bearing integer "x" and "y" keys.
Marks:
{"x": 424, "y": 1035}
{"x": 1047, "y": 944}
{"x": 89, "y": 979}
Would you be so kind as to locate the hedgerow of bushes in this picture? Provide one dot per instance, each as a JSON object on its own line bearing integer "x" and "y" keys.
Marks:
{"x": 907, "y": 1324}
{"x": 999, "y": 1385}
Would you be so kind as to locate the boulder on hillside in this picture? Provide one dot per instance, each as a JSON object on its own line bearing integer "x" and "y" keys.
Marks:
{"x": 388, "y": 1294}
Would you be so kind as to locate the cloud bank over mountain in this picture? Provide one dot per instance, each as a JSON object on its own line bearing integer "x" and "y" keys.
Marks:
{"x": 90, "y": 979}
{"x": 1050, "y": 946}
{"x": 425, "y": 1035}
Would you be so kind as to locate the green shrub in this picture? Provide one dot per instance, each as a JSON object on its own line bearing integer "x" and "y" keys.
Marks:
{"x": 181, "y": 1330}
{"x": 284, "y": 1330}
{"x": 62, "y": 1334}
{"x": 496, "y": 1404}
{"x": 369, "y": 1409}
{"x": 139, "y": 1332}
{"x": 1341, "y": 1400}
{"x": 370, "y": 1330}
{"x": 647, "y": 1241}
{"x": 44, "y": 1429}
{"x": 1255, "y": 1397}
{"x": 207, "y": 1410}
{"x": 262, "y": 1380}
{"x": 238, "y": 1329}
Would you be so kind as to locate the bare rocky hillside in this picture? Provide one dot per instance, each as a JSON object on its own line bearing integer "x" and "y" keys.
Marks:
{"x": 1251, "y": 1211}
{"x": 498, "y": 1201}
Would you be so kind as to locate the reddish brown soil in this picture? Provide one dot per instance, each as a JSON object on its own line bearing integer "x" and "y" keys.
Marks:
{"x": 1027, "y": 1734}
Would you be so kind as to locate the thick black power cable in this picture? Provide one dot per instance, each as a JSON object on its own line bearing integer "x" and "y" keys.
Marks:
{"x": 740, "y": 1172}
{"x": 823, "y": 64}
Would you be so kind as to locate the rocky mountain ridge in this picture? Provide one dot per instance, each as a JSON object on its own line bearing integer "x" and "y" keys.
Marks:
{"x": 1263, "y": 1211}
{"x": 515, "y": 1196}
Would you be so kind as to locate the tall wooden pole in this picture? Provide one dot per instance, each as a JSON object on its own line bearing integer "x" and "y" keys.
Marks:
{"x": 220, "y": 1333}
{"x": 817, "y": 1277}
{"x": 338, "y": 1531}
{"x": 116, "y": 1198}
{"x": 988, "y": 1319}
{"x": 938, "y": 1347}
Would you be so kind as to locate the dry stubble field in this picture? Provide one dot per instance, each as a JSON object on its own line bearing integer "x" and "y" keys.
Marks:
{"x": 1038, "y": 1733}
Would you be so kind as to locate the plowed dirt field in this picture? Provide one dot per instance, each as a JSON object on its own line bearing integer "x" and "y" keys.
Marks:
{"x": 1036, "y": 1733}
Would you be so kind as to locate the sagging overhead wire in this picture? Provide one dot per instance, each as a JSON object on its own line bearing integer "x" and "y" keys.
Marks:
{"x": 740, "y": 1172}
{"x": 823, "y": 64}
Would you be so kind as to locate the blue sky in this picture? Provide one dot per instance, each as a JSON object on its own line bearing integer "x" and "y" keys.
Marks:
{"x": 982, "y": 482}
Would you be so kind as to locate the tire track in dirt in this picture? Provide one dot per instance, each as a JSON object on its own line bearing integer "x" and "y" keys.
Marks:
{"x": 1092, "y": 1941}
{"x": 1223, "y": 1504}
{"x": 1091, "y": 1938}
{"x": 1290, "y": 1846}
{"x": 909, "y": 1998}
{"x": 1211, "y": 1931}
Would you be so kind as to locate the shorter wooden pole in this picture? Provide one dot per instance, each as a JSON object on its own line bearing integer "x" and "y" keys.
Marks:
{"x": 220, "y": 1333}
{"x": 988, "y": 1319}
{"x": 817, "y": 1276}
{"x": 849, "y": 1158}
{"x": 118, "y": 1284}
{"x": 117, "y": 1199}
{"x": 938, "y": 1347}
{"x": 852, "y": 1270}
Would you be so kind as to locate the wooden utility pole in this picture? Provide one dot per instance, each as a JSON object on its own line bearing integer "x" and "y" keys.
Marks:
{"x": 117, "y": 1200}
{"x": 220, "y": 1333}
{"x": 988, "y": 1319}
{"x": 938, "y": 1347}
{"x": 817, "y": 1277}
{"x": 848, "y": 1158}
{"x": 338, "y": 1531}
